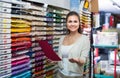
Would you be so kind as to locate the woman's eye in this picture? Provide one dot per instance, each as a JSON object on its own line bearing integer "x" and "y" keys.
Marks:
{"x": 72, "y": 21}
{"x": 75, "y": 21}
{"x": 69, "y": 21}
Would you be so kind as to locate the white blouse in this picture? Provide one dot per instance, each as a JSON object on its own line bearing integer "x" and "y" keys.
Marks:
{"x": 65, "y": 51}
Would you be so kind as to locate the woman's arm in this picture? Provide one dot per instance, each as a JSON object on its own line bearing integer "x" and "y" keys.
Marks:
{"x": 84, "y": 53}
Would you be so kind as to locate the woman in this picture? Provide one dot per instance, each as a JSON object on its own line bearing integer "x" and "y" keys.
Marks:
{"x": 73, "y": 49}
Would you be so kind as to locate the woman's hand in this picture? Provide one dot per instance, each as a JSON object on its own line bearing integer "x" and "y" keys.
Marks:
{"x": 52, "y": 62}
{"x": 76, "y": 60}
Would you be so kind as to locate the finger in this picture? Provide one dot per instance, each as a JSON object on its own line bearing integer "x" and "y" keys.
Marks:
{"x": 49, "y": 60}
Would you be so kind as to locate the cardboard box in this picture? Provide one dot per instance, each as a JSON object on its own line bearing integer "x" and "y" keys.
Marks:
{"x": 107, "y": 39}
{"x": 94, "y": 6}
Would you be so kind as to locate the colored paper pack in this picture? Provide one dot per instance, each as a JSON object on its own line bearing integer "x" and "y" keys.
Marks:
{"x": 22, "y": 34}
{"x": 21, "y": 39}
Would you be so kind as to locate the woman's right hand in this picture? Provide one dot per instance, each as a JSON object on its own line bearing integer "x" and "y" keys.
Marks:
{"x": 52, "y": 62}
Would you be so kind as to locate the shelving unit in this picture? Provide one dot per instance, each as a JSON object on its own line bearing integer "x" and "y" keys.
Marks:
{"x": 104, "y": 18}
{"x": 110, "y": 47}
{"x": 106, "y": 44}
{"x": 86, "y": 24}
{"x": 22, "y": 23}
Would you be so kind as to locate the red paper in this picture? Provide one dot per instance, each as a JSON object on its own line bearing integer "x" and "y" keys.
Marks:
{"x": 48, "y": 50}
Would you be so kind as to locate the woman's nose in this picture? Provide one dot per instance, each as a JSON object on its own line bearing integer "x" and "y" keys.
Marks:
{"x": 72, "y": 23}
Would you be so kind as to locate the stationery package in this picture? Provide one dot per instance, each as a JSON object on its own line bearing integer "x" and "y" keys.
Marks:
{"x": 107, "y": 38}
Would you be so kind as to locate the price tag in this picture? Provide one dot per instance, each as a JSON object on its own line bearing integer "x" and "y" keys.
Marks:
{"x": 5, "y": 72}
{"x": 4, "y": 62}
{"x": 4, "y": 36}
{"x": 6, "y": 10}
{"x": 5, "y": 30}
{"x": 5, "y": 41}
{"x": 3, "y": 57}
{"x": 5, "y": 67}
{"x": 6, "y": 46}
{"x": 6, "y": 51}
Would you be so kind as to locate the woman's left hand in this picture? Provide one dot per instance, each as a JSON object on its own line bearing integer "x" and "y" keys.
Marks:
{"x": 74, "y": 60}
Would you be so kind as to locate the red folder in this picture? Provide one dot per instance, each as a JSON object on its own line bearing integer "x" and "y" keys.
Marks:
{"x": 48, "y": 50}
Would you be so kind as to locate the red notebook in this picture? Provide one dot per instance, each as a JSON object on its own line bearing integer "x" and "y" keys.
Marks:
{"x": 48, "y": 50}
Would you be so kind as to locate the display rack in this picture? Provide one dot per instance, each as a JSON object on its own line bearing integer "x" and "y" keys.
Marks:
{"x": 110, "y": 47}
{"x": 22, "y": 23}
{"x": 86, "y": 24}
{"x": 104, "y": 46}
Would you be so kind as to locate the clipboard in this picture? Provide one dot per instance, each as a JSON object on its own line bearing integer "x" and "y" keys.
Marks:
{"x": 48, "y": 50}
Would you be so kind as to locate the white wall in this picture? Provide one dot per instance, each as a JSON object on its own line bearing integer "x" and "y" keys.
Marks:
{"x": 107, "y": 6}
{"x": 59, "y": 3}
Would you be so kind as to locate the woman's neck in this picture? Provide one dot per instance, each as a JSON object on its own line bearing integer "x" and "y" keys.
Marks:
{"x": 74, "y": 34}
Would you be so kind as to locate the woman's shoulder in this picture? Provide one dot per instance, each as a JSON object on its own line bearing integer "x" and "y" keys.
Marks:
{"x": 84, "y": 36}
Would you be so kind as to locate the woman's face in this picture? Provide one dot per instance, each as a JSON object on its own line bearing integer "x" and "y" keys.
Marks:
{"x": 73, "y": 23}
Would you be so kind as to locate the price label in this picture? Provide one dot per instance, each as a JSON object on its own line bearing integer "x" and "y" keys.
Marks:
{"x": 5, "y": 67}
{"x": 6, "y": 51}
{"x": 3, "y": 57}
{"x": 5, "y": 30}
{"x": 6, "y": 46}
{"x": 5, "y": 20}
{"x": 4, "y": 62}
{"x": 6, "y": 10}
{"x": 4, "y": 36}
{"x": 5, "y": 72}
{"x": 4, "y": 41}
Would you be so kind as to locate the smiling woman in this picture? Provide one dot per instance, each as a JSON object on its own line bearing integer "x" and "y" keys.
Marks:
{"x": 73, "y": 49}
{"x": 73, "y": 22}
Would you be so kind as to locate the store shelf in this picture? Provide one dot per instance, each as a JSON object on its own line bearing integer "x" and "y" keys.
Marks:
{"x": 106, "y": 46}
{"x": 21, "y": 45}
{"x": 102, "y": 76}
